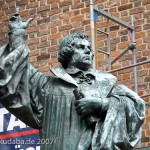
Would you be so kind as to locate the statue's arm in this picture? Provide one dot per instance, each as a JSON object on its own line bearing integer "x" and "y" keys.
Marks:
{"x": 16, "y": 76}
{"x": 132, "y": 108}
{"x": 15, "y": 54}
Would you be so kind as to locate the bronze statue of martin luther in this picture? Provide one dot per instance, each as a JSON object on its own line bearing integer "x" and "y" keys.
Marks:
{"x": 82, "y": 107}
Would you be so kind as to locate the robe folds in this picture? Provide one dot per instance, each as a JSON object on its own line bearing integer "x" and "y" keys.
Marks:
{"x": 47, "y": 103}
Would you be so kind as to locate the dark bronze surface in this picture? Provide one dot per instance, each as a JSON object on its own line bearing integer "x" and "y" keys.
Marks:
{"x": 81, "y": 108}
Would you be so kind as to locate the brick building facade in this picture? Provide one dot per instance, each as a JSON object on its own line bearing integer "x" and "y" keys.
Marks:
{"x": 54, "y": 19}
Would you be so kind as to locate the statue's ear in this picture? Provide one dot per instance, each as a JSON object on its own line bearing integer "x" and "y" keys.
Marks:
{"x": 92, "y": 56}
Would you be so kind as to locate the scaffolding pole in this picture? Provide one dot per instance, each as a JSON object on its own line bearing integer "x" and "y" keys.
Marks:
{"x": 145, "y": 95}
{"x": 132, "y": 47}
{"x": 130, "y": 66}
{"x": 108, "y": 45}
{"x": 100, "y": 31}
{"x": 134, "y": 57}
{"x": 92, "y": 32}
{"x": 113, "y": 18}
{"x": 103, "y": 52}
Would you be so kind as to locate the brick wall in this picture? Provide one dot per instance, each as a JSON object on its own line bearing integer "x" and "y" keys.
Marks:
{"x": 54, "y": 19}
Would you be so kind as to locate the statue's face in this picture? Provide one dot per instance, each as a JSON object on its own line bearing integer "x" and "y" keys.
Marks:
{"x": 83, "y": 55}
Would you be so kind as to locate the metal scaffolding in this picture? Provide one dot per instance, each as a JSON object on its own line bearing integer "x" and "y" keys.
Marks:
{"x": 95, "y": 11}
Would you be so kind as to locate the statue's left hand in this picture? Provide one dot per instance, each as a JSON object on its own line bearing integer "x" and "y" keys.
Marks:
{"x": 87, "y": 106}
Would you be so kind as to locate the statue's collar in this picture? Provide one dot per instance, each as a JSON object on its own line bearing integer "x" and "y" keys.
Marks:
{"x": 64, "y": 74}
{"x": 61, "y": 73}
{"x": 73, "y": 71}
{"x": 106, "y": 80}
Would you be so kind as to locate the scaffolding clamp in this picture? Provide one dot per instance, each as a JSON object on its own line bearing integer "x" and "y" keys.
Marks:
{"x": 132, "y": 46}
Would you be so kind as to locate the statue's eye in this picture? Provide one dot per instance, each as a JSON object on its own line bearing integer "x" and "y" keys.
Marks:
{"x": 89, "y": 47}
{"x": 82, "y": 46}
{"x": 72, "y": 44}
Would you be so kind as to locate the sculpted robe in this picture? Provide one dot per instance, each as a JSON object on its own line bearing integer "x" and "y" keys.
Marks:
{"x": 47, "y": 103}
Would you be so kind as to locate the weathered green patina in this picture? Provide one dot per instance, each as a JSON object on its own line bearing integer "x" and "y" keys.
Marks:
{"x": 80, "y": 107}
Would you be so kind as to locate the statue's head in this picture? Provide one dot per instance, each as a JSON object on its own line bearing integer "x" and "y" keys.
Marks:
{"x": 75, "y": 50}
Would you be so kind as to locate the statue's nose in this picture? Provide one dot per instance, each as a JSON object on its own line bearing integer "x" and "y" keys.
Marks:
{"x": 87, "y": 50}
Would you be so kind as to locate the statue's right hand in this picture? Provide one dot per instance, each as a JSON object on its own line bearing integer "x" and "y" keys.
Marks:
{"x": 15, "y": 22}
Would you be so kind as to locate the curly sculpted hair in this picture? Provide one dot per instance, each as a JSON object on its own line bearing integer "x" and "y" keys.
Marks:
{"x": 66, "y": 47}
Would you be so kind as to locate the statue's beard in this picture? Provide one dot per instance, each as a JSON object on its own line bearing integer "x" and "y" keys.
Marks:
{"x": 85, "y": 64}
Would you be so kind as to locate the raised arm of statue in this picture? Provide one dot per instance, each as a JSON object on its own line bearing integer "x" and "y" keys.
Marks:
{"x": 17, "y": 30}
{"x": 15, "y": 53}
{"x": 16, "y": 75}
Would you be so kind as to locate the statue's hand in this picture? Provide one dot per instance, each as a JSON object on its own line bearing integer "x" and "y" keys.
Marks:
{"x": 87, "y": 106}
{"x": 15, "y": 22}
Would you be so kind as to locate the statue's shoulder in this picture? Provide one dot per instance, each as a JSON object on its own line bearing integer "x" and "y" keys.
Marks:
{"x": 104, "y": 75}
{"x": 2, "y": 48}
{"x": 106, "y": 82}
